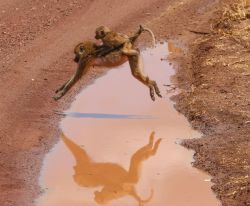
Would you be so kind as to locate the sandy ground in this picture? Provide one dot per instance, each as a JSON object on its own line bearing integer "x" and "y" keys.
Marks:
{"x": 36, "y": 43}
{"x": 214, "y": 75}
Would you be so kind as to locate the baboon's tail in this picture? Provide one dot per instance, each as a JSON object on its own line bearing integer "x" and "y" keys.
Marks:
{"x": 151, "y": 33}
{"x": 139, "y": 32}
{"x": 148, "y": 199}
{"x": 141, "y": 201}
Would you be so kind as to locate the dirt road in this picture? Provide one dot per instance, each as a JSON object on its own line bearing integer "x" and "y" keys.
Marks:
{"x": 36, "y": 43}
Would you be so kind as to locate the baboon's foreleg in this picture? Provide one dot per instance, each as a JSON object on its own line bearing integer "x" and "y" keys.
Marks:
{"x": 66, "y": 86}
{"x": 136, "y": 66}
{"x": 59, "y": 89}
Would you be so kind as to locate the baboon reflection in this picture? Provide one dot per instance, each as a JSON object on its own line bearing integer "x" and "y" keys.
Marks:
{"x": 116, "y": 181}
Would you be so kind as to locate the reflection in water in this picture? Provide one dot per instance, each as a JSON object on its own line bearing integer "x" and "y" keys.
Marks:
{"x": 173, "y": 49}
{"x": 116, "y": 181}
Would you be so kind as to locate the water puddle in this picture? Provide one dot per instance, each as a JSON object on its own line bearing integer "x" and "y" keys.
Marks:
{"x": 109, "y": 153}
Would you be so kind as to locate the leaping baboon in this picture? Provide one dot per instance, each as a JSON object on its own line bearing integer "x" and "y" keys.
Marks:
{"x": 116, "y": 48}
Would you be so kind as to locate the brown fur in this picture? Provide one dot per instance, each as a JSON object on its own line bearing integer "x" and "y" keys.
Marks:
{"x": 116, "y": 182}
{"x": 116, "y": 49}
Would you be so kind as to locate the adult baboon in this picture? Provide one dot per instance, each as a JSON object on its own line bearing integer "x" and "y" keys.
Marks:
{"x": 116, "y": 48}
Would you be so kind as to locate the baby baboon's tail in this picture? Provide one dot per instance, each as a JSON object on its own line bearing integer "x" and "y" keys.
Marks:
{"x": 139, "y": 32}
{"x": 151, "y": 33}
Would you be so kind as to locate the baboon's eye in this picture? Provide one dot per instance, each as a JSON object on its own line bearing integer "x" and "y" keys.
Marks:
{"x": 81, "y": 49}
{"x": 102, "y": 33}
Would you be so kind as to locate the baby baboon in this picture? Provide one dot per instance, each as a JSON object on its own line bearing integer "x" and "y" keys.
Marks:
{"x": 113, "y": 40}
{"x": 116, "y": 49}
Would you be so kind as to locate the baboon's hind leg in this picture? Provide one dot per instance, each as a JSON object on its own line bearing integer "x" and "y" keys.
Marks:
{"x": 136, "y": 67}
{"x": 142, "y": 154}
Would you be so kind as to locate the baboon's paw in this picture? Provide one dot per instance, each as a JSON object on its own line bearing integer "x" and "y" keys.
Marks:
{"x": 158, "y": 141}
{"x": 156, "y": 145}
{"x": 152, "y": 134}
{"x": 159, "y": 94}
{"x": 152, "y": 95}
{"x": 157, "y": 90}
{"x": 151, "y": 138}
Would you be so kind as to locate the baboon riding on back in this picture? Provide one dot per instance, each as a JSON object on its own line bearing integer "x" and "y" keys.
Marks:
{"x": 116, "y": 49}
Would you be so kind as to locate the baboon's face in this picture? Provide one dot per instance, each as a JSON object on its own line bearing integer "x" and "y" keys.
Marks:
{"x": 79, "y": 51}
{"x": 101, "y": 32}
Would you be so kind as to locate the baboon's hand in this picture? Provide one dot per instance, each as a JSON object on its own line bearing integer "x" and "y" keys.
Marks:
{"x": 58, "y": 96}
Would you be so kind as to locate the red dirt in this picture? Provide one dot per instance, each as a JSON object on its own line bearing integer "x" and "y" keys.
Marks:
{"x": 36, "y": 43}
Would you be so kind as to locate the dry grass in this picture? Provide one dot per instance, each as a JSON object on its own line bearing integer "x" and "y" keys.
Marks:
{"x": 218, "y": 102}
{"x": 231, "y": 14}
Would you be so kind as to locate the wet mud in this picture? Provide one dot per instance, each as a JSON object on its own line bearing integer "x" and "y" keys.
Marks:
{"x": 118, "y": 147}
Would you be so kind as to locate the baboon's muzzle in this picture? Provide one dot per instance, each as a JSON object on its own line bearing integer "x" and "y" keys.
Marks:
{"x": 77, "y": 58}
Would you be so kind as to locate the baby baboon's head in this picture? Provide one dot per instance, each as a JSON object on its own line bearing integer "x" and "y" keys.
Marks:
{"x": 101, "y": 32}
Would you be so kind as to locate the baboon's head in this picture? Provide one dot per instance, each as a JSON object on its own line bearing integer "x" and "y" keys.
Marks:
{"x": 104, "y": 196}
{"x": 83, "y": 49}
{"x": 79, "y": 51}
{"x": 101, "y": 32}
{"x": 99, "y": 198}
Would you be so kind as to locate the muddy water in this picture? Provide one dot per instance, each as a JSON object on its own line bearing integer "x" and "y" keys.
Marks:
{"x": 108, "y": 153}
